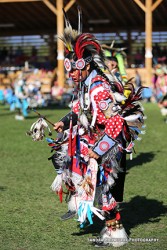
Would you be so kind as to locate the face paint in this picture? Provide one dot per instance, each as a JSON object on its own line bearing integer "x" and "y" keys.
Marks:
{"x": 78, "y": 75}
{"x": 75, "y": 75}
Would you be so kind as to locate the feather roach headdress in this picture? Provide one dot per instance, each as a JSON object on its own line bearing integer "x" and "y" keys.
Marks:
{"x": 82, "y": 48}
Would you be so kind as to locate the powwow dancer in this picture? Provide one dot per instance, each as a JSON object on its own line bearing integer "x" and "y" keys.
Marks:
{"x": 91, "y": 144}
{"x": 116, "y": 60}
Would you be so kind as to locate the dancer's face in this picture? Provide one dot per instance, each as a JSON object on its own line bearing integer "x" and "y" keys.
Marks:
{"x": 112, "y": 65}
{"x": 79, "y": 75}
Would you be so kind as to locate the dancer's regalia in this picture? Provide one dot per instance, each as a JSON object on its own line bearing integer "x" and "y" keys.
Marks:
{"x": 105, "y": 119}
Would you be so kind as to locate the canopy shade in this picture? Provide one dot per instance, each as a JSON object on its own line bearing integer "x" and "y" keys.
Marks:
{"x": 34, "y": 16}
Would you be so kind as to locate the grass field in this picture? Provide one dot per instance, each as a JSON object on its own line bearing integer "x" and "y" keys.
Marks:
{"x": 30, "y": 212}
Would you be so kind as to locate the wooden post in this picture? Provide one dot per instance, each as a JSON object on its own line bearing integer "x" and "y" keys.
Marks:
{"x": 60, "y": 45}
{"x": 148, "y": 47}
{"x": 148, "y": 8}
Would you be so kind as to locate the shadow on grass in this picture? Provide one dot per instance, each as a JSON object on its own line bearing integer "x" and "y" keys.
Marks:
{"x": 3, "y": 188}
{"x": 140, "y": 160}
{"x": 92, "y": 229}
{"x": 139, "y": 210}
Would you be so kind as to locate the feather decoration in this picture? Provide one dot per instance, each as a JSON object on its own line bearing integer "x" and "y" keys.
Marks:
{"x": 119, "y": 87}
{"x": 135, "y": 129}
{"x": 60, "y": 157}
{"x": 133, "y": 97}
{"x": 86, "y": 41}
{"x": 106, "y": 187}
{"x": 67, "y": 22}
{"x": 69, "y": 36}
{"x": 110, "y": 181}
{"x": 129, "y": 87}
{"x": 138, "y": 138}
{"x": 99, "y": 60}
{"x": 132, "y": 105}
{"x": 137, "y": 123}
{"x": 37, "y": 130}
{"x": 131, "y": 109}
{"x": 119, "y": 97}
{"x": 57, "y": 183}
{"x": 84, "y": 120}
{"x": 132, "y": 118}
{"x": 79, "y": 20}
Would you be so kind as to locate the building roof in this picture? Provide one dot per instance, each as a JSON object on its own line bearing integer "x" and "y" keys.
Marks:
{"x": 99, "y": 16}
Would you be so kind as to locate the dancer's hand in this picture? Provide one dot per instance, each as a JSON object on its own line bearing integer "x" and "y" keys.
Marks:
{"x": 92, "y": 154}
{"x": 58, "y": 126}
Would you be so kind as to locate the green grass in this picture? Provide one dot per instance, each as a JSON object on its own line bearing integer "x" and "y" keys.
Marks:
{"x": 30, "y": 212}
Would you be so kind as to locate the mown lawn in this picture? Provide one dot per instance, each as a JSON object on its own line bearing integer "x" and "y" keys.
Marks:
{"x": 30, "y": 211}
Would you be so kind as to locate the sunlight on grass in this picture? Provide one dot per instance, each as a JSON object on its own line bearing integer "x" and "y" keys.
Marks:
{"x": 30, "y": 212}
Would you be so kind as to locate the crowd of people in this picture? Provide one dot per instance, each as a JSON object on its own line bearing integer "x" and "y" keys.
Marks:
{"x": 17, "y": 56}
{"x": 159, "y": 56}
{"x": 31, "y": 83}
{"x": 25, "y": 92}
{"x": 159, "y": 88}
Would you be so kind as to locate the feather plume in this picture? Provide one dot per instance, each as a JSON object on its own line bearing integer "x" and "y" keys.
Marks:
{"x": 79, "y": 20}
{"x": 84, "y": 120}
{"x": 132, "y": 105}
{"x": 119, "y": 87}
{"x": 57, "y": 183}
{"x": 86, "y": 41}
{"x": 67, "y": 22}
{"x": 138, "y": 138}
{"x": 110, "y": 181}
{"x": 119, "y": 97}
{"x": 132, "y": 118}
{"x": 69, "y": 37}
{"x": 37, "y": 130}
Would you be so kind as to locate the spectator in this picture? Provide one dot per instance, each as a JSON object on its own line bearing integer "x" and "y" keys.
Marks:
{"x": 4, "y": 54}
{"x": 138, "y": 58}
{"x": 138, "y": 79}
{"x": 34, "y": 51}
{"x": 11, "y": 54}
{"x": 19, "y": 52}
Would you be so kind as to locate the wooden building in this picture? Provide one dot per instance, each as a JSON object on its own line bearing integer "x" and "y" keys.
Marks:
{"x": 45, "y": 17}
